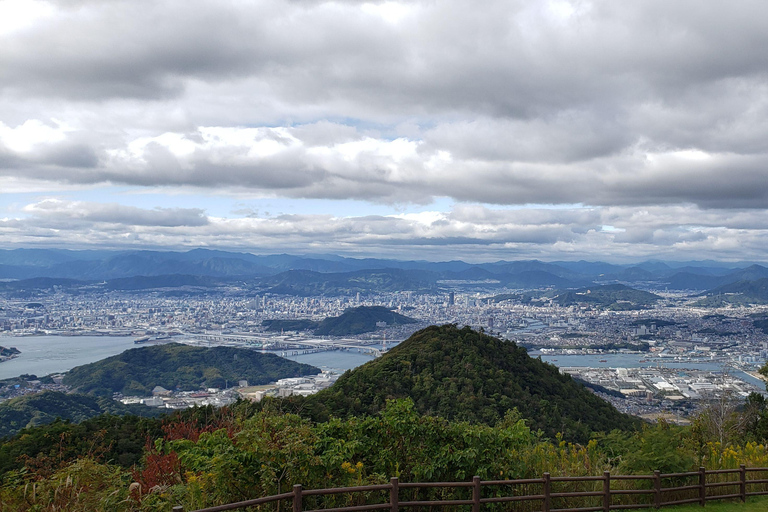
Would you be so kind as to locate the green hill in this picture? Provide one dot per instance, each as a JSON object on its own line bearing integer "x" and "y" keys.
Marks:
{"x": 360, "y": 320}
{"x": 306, "y": 283}
{"x": 739, "y": 293}
{"x": 174, "y": 366}
{"x": 463, "y": 374}
{"x": 612, "y": 296}
{"x": 42, "y": 408}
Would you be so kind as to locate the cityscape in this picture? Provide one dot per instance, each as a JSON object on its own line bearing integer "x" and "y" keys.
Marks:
{"x": 667, "y": 361}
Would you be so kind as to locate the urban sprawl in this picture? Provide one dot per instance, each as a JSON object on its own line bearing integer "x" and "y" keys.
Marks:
{"x": 672, "y": 339}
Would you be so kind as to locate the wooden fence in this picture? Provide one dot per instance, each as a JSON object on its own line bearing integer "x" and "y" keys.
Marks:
{"x": 608, "y": 492}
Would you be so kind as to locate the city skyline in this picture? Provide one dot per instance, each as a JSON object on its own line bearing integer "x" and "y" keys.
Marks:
{"x": 411, "y": 130}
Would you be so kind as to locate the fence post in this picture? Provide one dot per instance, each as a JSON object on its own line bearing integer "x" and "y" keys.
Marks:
{"x": 743, "y": 482}
{"x": 547, "y": 503}
{"x": 702, "y": 486}
{"x": 394, "y": 494}
{"x": 297, "y": 498}
{"x": 657, "y": 489}
{"x": 606, "y": 491}
{"x": 475, "y": 493}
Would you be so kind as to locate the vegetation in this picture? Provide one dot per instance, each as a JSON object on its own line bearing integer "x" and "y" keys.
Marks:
{"x": 465, "y": 375}
{"x": 205, "y": 457}
{"x": 761, "y": 322}
{"x": 360, "y": 320}
{"x": 353, "y": 321}
{"x": 39, "y": 409}
{"x": 651, "y": 321}
{"x": 180, "y": 367}
{"x": 306, "y": 283}
{"x": 9, "y": 351}
{"x": 614, "y": 296}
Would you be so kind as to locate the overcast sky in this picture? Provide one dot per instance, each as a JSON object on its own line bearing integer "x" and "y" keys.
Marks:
{"x": 437, "y": 130}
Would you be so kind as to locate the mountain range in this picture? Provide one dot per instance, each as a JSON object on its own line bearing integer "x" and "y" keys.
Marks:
{"x": 24, "y": 269}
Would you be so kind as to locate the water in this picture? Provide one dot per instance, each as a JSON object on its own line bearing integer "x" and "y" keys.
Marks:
{"x": 336, "y": 360}
{"x": 43, "y": 355}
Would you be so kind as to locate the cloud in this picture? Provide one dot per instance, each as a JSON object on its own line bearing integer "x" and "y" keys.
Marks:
{"x": 643, "y": 107}
{"x": 470, "y": 232}
{"x": 65, "y": 213}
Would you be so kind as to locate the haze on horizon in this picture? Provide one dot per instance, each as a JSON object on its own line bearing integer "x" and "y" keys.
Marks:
{"x": 552, "y": 130}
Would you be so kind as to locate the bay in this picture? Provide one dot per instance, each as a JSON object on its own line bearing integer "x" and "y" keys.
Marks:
{"x": 43, "y": 355}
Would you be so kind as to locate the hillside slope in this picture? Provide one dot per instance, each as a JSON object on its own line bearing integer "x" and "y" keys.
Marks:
{"x": 359, "y": 320}
{"x": 174, "y": 366}
{"x": 42, "y": 408}
{"x": 467, "y": 375}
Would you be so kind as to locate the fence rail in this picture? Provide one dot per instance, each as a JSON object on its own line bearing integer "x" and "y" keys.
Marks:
{"x": 661, "y": 496}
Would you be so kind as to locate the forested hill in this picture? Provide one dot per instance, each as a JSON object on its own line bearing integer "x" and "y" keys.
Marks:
{"x": 359, "y": 320}
{"x": 463, "y": 374}
{"x": 174, "y": 366}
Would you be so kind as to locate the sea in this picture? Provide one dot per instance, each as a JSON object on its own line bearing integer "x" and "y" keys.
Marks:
{"x": 44, "y": 355}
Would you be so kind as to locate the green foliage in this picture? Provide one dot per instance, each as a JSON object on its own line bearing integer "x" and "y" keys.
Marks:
{"x": 306, "y": 283}
{"x": 9, "y": 351}
{"x": 174, "y": 366}
{"x": 360, "y": 320}
{"x": 115, "y": 439}
{"x": 615, "y": 296}
{"x": 39, "y": 409}
{"x": 741, "y": 292}
{"x": 465, "y": 375}
{"x": 662, "y": 447}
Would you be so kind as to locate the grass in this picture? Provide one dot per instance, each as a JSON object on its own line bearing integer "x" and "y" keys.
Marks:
{"x": 759, "y": 504}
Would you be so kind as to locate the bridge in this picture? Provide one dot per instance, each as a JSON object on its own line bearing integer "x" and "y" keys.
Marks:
{"x": 284, "y": 342}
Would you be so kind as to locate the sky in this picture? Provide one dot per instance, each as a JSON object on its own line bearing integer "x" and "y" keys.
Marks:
{"x": 419, "y": 129}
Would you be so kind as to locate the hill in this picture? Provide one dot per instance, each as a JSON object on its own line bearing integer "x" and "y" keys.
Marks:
{"x": 42, "y": 408}
{"x": 462, "y": 374}
{"x": 174, "y": 366}
{"x": 307, "y": 283}
{"x": 613, "y": 296}
{"x": 359, "y": 320}
{"x": 741, "y": 293}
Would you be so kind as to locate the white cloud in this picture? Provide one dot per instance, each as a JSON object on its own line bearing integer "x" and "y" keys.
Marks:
{"x": 623, "y": 107}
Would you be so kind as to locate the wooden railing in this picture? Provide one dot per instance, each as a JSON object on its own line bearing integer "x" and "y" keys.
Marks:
{"x": 603, "y": 492}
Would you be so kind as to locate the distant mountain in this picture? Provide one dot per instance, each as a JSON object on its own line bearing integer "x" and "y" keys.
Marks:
{"x": 589, "y": 268}
{"x": 689, "y": 281}
{"x": 41, "y": 283}
{"x": 615, "y": 296}
{"x": 306, "y": 283}
{"x": 741, "y": 292}
{"x": 109, "y": 265}
{"x": 174, "y": 366}
{"x": 360, "y": 320}
{"x": 467, "y": 375}
{"x": 536, "y": 279}
{"x": 163, "y": 281}
{"x": 631, "y": 274}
